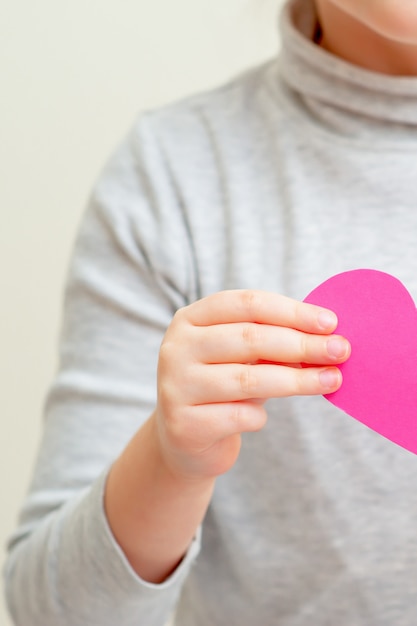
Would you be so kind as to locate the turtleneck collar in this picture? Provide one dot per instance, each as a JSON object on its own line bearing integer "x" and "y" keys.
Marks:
{"x": 343, "y": 98}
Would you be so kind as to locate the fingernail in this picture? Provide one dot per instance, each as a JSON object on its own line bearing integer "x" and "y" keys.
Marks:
{"x": 327, "y": 320}
{"x": 337, "y": 347}
{"x": 330, "y": 379}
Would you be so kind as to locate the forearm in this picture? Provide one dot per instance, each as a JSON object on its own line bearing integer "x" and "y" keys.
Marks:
{"x": 152, "y": 513}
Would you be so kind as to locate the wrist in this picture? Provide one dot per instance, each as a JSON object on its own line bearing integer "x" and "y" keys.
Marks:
{"x": 153, "y": 511}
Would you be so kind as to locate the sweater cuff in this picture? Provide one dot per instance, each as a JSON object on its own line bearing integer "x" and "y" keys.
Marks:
{"x": 121, "y": 567}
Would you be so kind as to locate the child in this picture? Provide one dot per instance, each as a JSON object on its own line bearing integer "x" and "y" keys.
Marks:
{"x": 188, "y": 461}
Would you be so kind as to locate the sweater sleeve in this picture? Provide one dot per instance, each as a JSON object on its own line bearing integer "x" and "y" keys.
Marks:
{"x": 132, "y": 267}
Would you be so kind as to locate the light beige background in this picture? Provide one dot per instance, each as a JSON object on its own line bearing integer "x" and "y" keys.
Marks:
{"x": 73, "y": 77}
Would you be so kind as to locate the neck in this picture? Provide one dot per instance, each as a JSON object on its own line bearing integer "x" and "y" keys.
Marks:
{"x": 359, "y": 44}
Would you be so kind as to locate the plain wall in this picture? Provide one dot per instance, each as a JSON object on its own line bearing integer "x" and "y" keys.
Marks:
{"x": 73, "y": 77}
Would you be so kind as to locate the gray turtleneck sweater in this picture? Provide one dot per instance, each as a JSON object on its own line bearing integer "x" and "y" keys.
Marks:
{"x": 298, "y": 169}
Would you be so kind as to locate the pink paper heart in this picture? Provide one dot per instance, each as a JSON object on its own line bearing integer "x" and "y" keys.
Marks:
{"x": 378, "y": 316}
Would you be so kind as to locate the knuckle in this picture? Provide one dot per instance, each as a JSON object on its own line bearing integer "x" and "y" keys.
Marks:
{"x": 250, "y": 336}
{"x": 175, "y": 382}
{"x": 248, "y": 382}
{"x": 299, "y": 314}
{"x": 179, "y": 336}
{"x": 237, "y": 416}
{"x": 180, "y": 316}
{"x": 297, "y": 385}
{"x": 303, "y": 346}
{"x": 166, "y": 392}
{"x": 168, "y": 357}
{"x": 164, "y": 358}
{"x": 164, "y": 349}
{"x": 177, "y": 424}
{"x": 306, "y": 382}
{"x": 250, "y": 303}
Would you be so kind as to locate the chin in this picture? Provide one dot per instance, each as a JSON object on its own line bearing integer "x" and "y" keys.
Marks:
{"x": 392, "y": 19}
{"x": 395, "y": 20}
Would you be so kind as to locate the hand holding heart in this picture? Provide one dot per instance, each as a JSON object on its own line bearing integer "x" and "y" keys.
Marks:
{"x": 378, "y": 316}
{"x": 222, "y": 357}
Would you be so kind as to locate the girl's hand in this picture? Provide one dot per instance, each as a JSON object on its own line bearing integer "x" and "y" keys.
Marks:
{"x": 222, "y": 358}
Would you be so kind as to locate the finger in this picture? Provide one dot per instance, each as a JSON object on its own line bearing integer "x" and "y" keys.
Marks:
{"x": 209, "y": 422}
{"x": 249, "y": 342}
{"x": 262, "y": 307}
{"x": 233, "y": 382}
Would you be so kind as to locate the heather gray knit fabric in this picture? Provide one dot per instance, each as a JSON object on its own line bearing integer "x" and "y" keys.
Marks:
{"x": 298, "y": 169}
